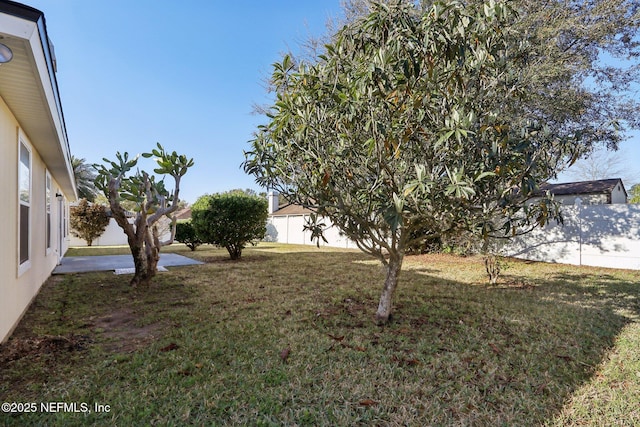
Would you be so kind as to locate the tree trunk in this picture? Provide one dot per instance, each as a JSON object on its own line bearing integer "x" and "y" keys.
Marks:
{"x": 492, "y": 266}
{"x": 145, "y": 260}
{"x": 235, "y": 252}
{"x": 140, "y": 264}
{"x": 393, "y": 267}
{"x": 145, "y": 270}
{"x": 142, "y": 235}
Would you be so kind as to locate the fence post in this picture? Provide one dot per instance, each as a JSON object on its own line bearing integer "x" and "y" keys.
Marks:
{"x": 578, "y": 204}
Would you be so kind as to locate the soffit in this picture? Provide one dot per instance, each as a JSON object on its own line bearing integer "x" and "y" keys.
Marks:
{"x": 27, "y": 89}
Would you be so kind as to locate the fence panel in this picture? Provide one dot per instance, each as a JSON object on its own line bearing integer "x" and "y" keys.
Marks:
{"x": 596, "y": 235}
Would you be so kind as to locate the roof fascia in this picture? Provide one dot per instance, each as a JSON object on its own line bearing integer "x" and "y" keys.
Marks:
{"x": 20, "y": 10}
{"x": 31, "y": 14}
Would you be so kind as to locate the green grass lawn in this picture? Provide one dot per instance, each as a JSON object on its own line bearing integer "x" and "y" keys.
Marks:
{"x": 286, "y": 336}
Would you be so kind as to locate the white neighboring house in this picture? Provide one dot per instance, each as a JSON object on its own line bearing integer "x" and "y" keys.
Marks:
{"x": 35, "y": 165}
{"x": 286, "y": 225}
{"x": 598, "y": 192}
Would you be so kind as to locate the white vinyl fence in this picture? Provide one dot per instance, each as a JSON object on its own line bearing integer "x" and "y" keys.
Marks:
{"x": 114, "y": 235}
{"x": 596, "y": 235}
{"x": 290, "y": 229}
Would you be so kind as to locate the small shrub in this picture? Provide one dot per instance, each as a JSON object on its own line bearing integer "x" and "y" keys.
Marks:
{"x": 88, "y": 221}
{"x": 185, "y": 233}
{"x": 492, "y": 265}
{"x": 230, "y": 220}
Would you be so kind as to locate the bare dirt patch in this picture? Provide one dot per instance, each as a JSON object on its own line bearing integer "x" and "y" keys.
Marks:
{"x": 18, "y": 348}
{"x": 123, "y": 331}
{"x": 120, "y": 332}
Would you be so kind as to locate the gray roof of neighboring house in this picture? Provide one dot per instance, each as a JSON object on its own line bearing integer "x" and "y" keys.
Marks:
{"x": 182, "y": 214}
{"x": 292, "y": 210}
{"x": 601, "y": 186}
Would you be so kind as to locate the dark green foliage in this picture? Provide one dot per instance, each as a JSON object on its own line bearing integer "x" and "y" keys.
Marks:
{"x": 187, "y": 235}
{"x": 230, "y": 220}
{"x": 634, "y": 194}
{"x": 424, "y": 241}
{"x": 88, "y": 221}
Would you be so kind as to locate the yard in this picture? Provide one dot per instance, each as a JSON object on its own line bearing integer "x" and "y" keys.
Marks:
{"x": 286, "y": 336}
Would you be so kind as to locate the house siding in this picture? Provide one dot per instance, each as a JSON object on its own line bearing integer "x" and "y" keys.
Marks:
{"x": 586, "y": 199}
{"x": 618, "y": 195}
{"x": 30, "y": 117}
{"x": 18, "y": 290}
{"x": 598, "y": 192}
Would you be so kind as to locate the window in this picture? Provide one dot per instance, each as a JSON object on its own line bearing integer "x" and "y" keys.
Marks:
{"x": 24, "y": 202}
{"x": 47, "y": 203}
{"x": 65, "y": 221}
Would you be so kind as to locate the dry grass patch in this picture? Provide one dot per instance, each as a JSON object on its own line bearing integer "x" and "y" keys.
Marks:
{"x": 287, "y": 336}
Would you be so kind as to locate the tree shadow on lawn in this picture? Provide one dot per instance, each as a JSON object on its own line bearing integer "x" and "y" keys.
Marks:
{"x": 485, "y": 355}
{"x": 455, "y": 353}
{"x": 589, "y": 287}
{"x": 465, "y": 353}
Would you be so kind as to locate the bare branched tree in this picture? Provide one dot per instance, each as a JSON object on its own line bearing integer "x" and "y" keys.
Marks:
{"x": 604, "y": 164}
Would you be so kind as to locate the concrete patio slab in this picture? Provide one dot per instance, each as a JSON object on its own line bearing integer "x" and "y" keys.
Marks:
{"x": 85, "y": 264}
{"x": 132, "y": 270}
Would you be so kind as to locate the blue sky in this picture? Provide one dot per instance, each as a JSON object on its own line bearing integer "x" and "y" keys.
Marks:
{"x": 183, "y": 73}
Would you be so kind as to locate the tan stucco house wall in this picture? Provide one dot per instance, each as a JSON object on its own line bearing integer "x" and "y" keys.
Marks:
{"x": 36, "y": 178}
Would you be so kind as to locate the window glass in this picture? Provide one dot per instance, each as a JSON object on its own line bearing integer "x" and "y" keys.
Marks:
{"x": 48, "y": 210}
{"x": 25, "y": 174}
{"x": 24, "y": 191}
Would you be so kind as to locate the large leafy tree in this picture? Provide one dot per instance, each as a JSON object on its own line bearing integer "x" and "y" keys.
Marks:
{"x": 151, "y": 202}
{"x": 582, "y": 68}
{"x": 230, "y": 220}
{"x": 416, "y": 119}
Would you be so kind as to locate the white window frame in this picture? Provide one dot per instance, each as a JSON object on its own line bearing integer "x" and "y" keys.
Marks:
{"x": 65, "y": 220}
{"x": 48, "y": 209}
{"x": 26, "y": 265}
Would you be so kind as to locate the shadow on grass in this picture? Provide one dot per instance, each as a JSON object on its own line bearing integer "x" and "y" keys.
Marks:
{"x": 486, "y": 355}
{"x": 456, "y": 353}
{"x": 593, "y": 288}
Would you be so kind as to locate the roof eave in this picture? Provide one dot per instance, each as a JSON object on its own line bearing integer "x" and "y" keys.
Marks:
{"x": 33, "y": 96}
